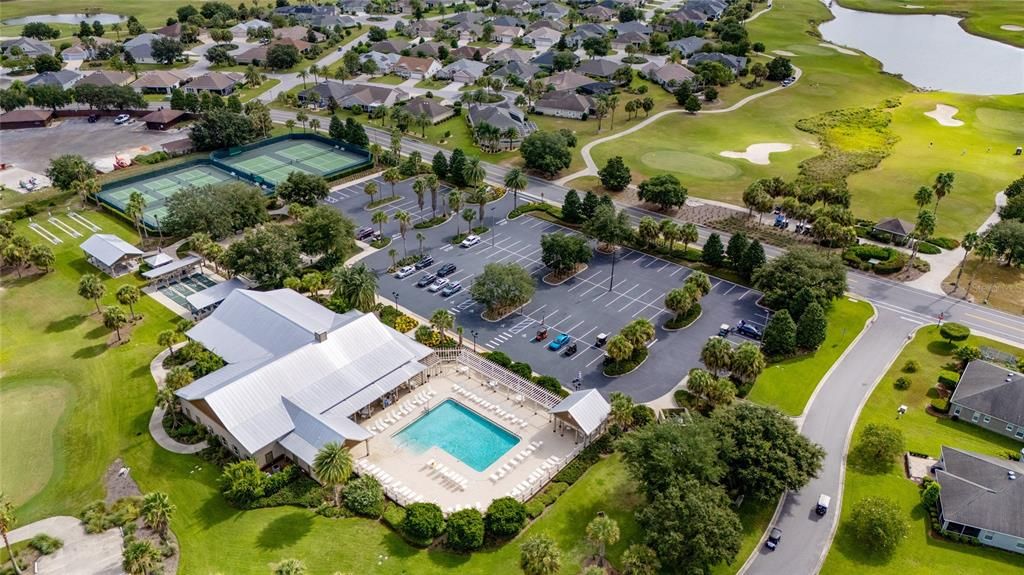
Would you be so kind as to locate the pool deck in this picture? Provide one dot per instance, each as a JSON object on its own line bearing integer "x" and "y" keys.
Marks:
{"x": 407, "y": 469}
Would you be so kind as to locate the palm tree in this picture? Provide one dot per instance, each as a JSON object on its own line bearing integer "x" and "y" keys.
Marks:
{"x": 455, "y": 201}
{"x": 688, "y": 234}
{"x": 392, "y": 176}
{"x": 638, "y": 332}
{"x": 333, "y": 465}
{"x": 156, "y": 512}
{"x": 140, "y": 557}
{"x": 622, "y": 410}
{"x": 129, "y": 295}
{"x": 943, "y": 186}
{"x": 442, "y": 319}
{"x": 380, "y": 218}
{"x": 356, "y": 285}
{"x": 747, "y": 362}
{"x": 479, "y": 196}
{"x": 134, "y": 210}
{"x": 613, "y": 103}
{"x": 302, "y": 117}
{"x": 510, "y": 134}
{"x": 87, "y": 189}
{"x": 601, "y": 532}
{"x": 167, "y": 338}
{"x": 474, "y": 173}
{"x": 315, "y": 71}
{"x": 700, "y": 282}
{"x": 680, "y": 301}
{"x": 90, "y": 287}
{"x": 342, "y": 73}
{"x": 515, "y": 180}
{"x": 114, "y": 318}
{"x": 166, "y": 400}
{"x": 375, "y": 152}
{"x": 396, "y": 143}
{"x": 700, "y": 382}
{"x": 303, "y": 74}
{"x": 290, "y": 567}
{"x": 717, "y": 355}
{"x": 253, "y": 78}
{"x": 670, "y": 232}
{"x": 969, "y": 243}
{"x": 7, "y": 522}
{"x": 985, "y": 251}
{"x": 619, "y": 348}
{"x": 420, "y": 238}
{"x": 468, "y": 214}
{"x": 313, "y": 282}
{"x": 403, "y": 218}
{"x": 433, "y": 185}
{"x": 419, "y": 187}
{"x": 923, "y": 197}
{"x": 924, "y": 229}
{"x": 393, "y": 254}
{"x": 370, "y": 190}
{"x": 290, "y": 124}
{"x": 116, "y": 28}
{"x": 314, "y": 124}
{"x": 539, "y": 555}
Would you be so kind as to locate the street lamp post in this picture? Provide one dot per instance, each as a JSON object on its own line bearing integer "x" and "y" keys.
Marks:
{"x": 611, "y": 280}
{"x": 494, "y": 227}
{"x": 395, "y": 295}
{"x": 474, "y": 333}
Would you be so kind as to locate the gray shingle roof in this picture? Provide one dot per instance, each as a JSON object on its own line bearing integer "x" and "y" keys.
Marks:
{"x": 977, "y": 491}
{"x": 992, "y": 390}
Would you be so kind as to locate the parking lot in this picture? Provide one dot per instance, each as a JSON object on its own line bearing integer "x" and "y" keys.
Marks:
{"x": 591, "y": 303}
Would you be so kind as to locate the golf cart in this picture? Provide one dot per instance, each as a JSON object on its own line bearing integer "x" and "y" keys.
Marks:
{"x": 602, "y": 338}
{"x": 542, "y": 334}
{"x": 822, "y": 507}
{"x": 570, "y": 349}
{"x": 773, "y": 538}
{"x": 723, "y": 330}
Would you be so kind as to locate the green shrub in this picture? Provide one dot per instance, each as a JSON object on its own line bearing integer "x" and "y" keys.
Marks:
{"x": 967, "y": 353}
{"x": 949, "y": 379}
{"x": 302, "y": 491}
{"x": 577, "y": 467}
{"x": 423, "y": 521}
{"x": 521, "y": 369}
{"x": 628, "y": 365}
{"x": 912, "y": 366}
{"x": 954, "y": 332}
{"x": 928, "y": 249}
{"x": 499, "y": 358}
{"x": 152, "y": 158}
{"x": 945, "y": 243}
{"x": 940, "y": 404}
{"x": 547, "y": 208}
{"x": 465, "y": 530}
{"x": 364, "y": 496}
{"x": 549, "y": 383}
{"x": 505, "y": 517}
{"x": 45, "y": 544}
{"x": 679, "y": 322}
{"x": 903, "y": 383}
{"x": 534, "y": 508}
{"x": 393, "y": 516}
{"x": 429, "y": 223}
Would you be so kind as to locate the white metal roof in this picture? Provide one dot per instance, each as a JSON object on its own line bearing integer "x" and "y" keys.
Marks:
{"x": 587, "y": 408}
{"x": 171, "y": 267}
{"x": 158, "y": 259}
{"x": 108, "y": 249}
{"x": 278, "y": 360}
{"x": 313, "y": 431}
{"x": 214, "y": 294}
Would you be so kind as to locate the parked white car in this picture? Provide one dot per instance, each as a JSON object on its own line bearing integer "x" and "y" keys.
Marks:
{"x": 122, "y": 119}
{"x": 438, "y": 284}
{"x": 405, "y": 272}
{"x": 470, "y": 241}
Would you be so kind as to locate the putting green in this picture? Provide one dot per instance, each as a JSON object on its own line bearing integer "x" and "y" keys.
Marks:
{"x": 1000, "y": 119}
{"x": 692, "y": 164}
{"x": 30, "y": 416}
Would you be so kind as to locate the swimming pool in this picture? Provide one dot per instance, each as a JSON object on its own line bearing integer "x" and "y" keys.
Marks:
{"x": 466, "y": 435}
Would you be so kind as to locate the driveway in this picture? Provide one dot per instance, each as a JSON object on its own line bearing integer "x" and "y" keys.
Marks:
{"x": 82, "y": 554}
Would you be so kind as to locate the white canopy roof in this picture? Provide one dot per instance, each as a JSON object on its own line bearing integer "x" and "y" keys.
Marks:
{"x": 108, "y": 249}
{"x": 587, "y": 408}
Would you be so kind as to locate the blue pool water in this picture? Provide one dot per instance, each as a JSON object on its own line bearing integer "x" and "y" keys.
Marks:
{"x": 466, "y": 435}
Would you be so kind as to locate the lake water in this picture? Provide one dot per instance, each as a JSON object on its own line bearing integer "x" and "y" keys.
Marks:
{"x": 930, "y": 51}
{"x": 66, "y": 19}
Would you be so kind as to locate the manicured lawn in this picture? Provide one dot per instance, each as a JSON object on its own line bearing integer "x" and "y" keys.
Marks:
{"x": 689, "y": 146}
{"x": 389, "y": 79}
{"x": 984, "y": 17}
{"x": 28, "y": 432}
{"x": 246, "y": 94}
{"x": 430, "y": 84}
{"x": 919, "y": 553}
{"x": 151, "y": 14}
{"x": 788, "y": 384}
{"x": 1001, "y": 286}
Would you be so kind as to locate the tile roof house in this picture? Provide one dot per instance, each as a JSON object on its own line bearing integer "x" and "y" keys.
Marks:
{"x": 170, "y": 30}
{"x": 515, "y": 6}
{"x": 416, "y": 68}
{"x": 296, "y": 374}
{"x": 76, "y": 53}
{"x": 688, "y": 46}
{"x": 583, "y": 32}
{"x": 507, "y": 34}
{"x": 471, "y": 52}
{"x": 427, "y": 49}
{"x": 112, "y": 255}
{"x": 297, "y": 33}
{"x": 423, "y": 29}
{"x": 141, "y": 49}
{"x": 545, "y": 23}
{"x": 508, "y": 55}
{"x": 598, "y": 14}
{"x": 633, "y": 26}
{"x": 501, "y": 116}
{"x": 521, "y": 70}
{"x": 990, "y": 396}
{"x": 553, "y": 11}
{"x": 506, "y": 20}
{"x": 734, "y": 63}
{"x": 392, "y": 46}
{"x": 215, "y": 83}
{"x": 25, "y": 118}
{"x": 547, "y": 59}
{"x": 162, "y": 119}
{"x": 669, "y": 76}
{"x": 106, "y": 78}
{"x": 567, "y": 80}
{"x": 63, "y": 79}
{"x": 631, "y": 38}
{"x": 599, "y": 68}
{"x": 28, "y": 46}
{"x": 564, "y": 104}
{"x": 467, "y": 32}
{"x": 159, "y": 82}
{"x": 543, "y": 38}
{"x": 311, "y": 15}
{"x": 257, "y": 55}
{"x": 431, "y": 109}
{"x": 384, "y": 62}
{"x": 982, "y": 497}
{"x": 464, "y": 18}
{"x": 363, "y": 96}
{"x": 241, "y": 30}
{"x": 465, "y": 71}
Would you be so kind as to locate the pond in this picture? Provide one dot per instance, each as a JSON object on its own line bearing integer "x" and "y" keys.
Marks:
{"x": 930, "y": 51}
{"x": 66, "y": 19}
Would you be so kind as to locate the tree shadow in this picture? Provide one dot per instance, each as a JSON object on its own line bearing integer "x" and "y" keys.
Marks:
{"x": 97, "y": 332}
{"x": 941, "y": 347}
{"x": 215, "y": 510}
{"x": 867, "y": 463}
{"x": 89, "y": 351}
{"x": 70, "y": 322}
{"x": 847, "y": 544}
{"x": 398, "y": 547}
{"x": 286, "y": 530}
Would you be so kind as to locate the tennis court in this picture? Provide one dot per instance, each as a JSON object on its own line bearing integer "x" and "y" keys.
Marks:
{"x": 155, "y": 191}
{"x": 273, "y": 162}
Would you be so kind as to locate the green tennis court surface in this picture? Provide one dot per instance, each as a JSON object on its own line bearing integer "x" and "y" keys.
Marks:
{"x": 155, "y": 191}
{"x": 275, "y": 161}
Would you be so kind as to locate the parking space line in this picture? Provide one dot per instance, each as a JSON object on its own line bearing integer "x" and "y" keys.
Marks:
{"x": 621, "y": 294}
{"x": 599, "y": 356}
{"x": 637, "y": 299}
{"x": 744, "y": 295}
{"x": 580, "y": 282}
{"x": 728, "y": 291}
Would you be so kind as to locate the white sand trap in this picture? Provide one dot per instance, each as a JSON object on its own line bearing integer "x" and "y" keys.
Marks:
{"x": 783, "y": 53}
{"x": 912, "y": 6}
{"x": 758, "y": 153}
{"x": 943, "y": 114}
{"x": 839, "y": 49}
{"x": 1012, "y": 28}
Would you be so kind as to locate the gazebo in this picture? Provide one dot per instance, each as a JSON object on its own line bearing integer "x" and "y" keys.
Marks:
{"x": 898, "y": 230}
{"x": 584, "y": 412}
{"x": 112, "y": 255}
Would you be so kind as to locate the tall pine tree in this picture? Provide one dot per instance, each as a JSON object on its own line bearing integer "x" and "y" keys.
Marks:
{"x": 779, "y": 335}
{"x": 737, "y": 247}
{"x": 456, "y": 167}
{"x": 336, "y": 130}
{"x": 753, "y": 258}
{"x": 810, "y": 333}
{"x": 440, "y": 165}
{"x": 590, "y": 203}
{"x": 713, "y": 253}
{"x": 571, "y": 208}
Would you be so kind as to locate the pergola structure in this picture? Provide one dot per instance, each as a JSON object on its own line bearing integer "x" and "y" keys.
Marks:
{"x": 584, "y": 412}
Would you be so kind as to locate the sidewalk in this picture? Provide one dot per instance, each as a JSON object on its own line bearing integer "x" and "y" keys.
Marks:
{"x": 156, "y": 426}
{"x": 82, "y": 554}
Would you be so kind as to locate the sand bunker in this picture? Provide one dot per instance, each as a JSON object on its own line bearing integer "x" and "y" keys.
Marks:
{"x": 758, "y": 153}
{"x": 839, "y": 49}
{"x": 943, "y": 114}
{"x": 1012, "y": 28}
{"x": 783, "y": 53}
{"x": 912, "y": 6}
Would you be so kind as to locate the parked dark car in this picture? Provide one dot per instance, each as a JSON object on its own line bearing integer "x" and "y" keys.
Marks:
{"x": 93, "y": 118}
{"x": 425, "y": 262}
{"x": 773, "y": 538}
{"x": 748, "y": 330}
{"x": 426, "y": 280}
{"x": 445, "y": 270}
{"x": 363, "y": 233}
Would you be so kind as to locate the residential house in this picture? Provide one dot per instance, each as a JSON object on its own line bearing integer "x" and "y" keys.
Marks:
{"x": 634, "y": 39}
{"x": 683, "y": 15}
{"x": 547, "y": 60}
{"x": 596, "y": 89}
{"x": 163, "y": 119}
{"x": 982, "y": 497}
{"x": 465, "y": 71}
{"x": 311, "y": 15}
{"x": 564, "y": 104}
{"x": 733, "y": 63}
{"x": 76, "y": 53}
{"x": 241, "y": 30}
{"x": 464, "y": 18}
{"x": 217, "y": 83}
{"x": 467, "y": 32}
{"x": 471, "y": 52}
{"x": 669, "y": 76}
{"x": 688, "y": 46}
{"x": 502, "y": 116}
{"x": 25, "y": 118}
{"x": 523, "y": 71}
{"x": 583, "y": 32}
{"x": 354, "y": 6}
{"x": 62, "y": 79}
{"x": 633, "y": 26}
{"x": 362, "y": 96}
{"x": 992, "y": 397}
{"x": 112, "y": 255}
{"x": 545, "y": 23}
{"x": 416, "y": 68}
{"x": 392, "y": 46}
{"x": 432, "y": 110}
{"x": 298, "y": 33}
{"x": 506, "y": 20}
{"x": 140, "y": 48}
{"x": 106, "y": 78}
{"x": 543, "y": 38}
{"x": 427, "y": 49}
{"x": 507, "y": 34}
{"x": 711, "y": 9}
{"x": 29, "y": 47}
{"x": 257, "y": 55}
{"x": 297, "y": 374}
{"x": 599, "y": 68}
{"x": 159, "y": 82}
{"x": 423, "y": 29}
{"x": 553, "y": 11}
{"x": 515, "y": 6}
{"x": 599, "y": 14}
{"x": 170, "y": 31}
{"x": 567, "y": 80}
{"x": 384, "y": 62}
{"x": 507, "y": 55}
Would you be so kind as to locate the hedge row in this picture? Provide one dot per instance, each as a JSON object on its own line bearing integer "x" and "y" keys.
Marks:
{"x": 891, "y": 260}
